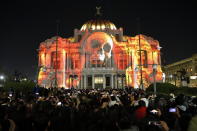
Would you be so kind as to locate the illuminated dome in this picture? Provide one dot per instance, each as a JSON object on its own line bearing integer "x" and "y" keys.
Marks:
{"x": 98, "y": 25}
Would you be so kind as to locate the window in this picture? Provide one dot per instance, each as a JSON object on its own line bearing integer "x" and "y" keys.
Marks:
{"x": 98, "y": 80}
{"x": 130, "y": 60}
{"x": 143, "y": 58}
{"x": 77, "y": 64}
{"x": 120, "y": 64}
{"x": 89, "y": 81}
{"x": 155, "y": 57}
{"x": 107, "y": 81}
{"x": 55, "y": 63}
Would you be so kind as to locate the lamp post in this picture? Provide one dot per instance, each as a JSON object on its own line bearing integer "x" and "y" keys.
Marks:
{"x": 123, "y": 76}
{"x": 56, "y": 51}
{"x": 135, "y": 77}
{"x": 2, "y": 80}
{"x": 137, "y": 69}
{"x": 154, "y": 75}
{"x": 140, "y": 55}
{"x": 2, "y": 77}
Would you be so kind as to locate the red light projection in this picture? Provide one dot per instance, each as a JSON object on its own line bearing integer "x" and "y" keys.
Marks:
{"x": 128, "y": 58}
{"x": 100, "y": 54}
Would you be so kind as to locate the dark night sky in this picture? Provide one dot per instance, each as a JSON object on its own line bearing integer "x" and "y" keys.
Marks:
{"x": 24, "y": 24}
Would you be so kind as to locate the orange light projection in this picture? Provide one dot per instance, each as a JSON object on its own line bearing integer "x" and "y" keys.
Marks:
{"x": 98, "y": 50}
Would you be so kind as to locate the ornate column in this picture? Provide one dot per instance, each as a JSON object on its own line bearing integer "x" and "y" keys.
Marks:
{"x": 64, "y": 70}
{"x": 81, "y": 82}
{"x": 116, "y": 81}
{"x": 118, "y": 60}
{"x": 85, "y": 81}
{"x": 66, "y": 61}
{"x": 104, "y": 82}
{"x": 112, "y": 81}
{"x": 85, "y": 60}
{"x": 123, "y": 66}
{"x": 135, "y": 71}
{"x": 128, "y": 78}
{"x": 111, "y": 58}
{"x": 88, "y": 63}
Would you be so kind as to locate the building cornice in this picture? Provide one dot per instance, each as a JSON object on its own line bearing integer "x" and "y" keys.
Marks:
{"x": 179, "y": 62}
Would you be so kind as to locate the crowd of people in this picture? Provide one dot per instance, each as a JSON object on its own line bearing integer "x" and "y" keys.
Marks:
{"x": 96, "y": 110}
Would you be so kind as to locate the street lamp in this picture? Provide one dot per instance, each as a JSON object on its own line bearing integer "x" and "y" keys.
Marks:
{"x": 138, "y": 68}
{"x": 140, "y": 54}
{"x": 2, "y": 80}
{"x": 154, "y": 75}
{"x": 135, "y": 77}
{"x": 2, "y": 77}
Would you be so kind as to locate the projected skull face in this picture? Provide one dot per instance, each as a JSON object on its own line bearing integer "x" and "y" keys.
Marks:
{"x": 99, "y": 45}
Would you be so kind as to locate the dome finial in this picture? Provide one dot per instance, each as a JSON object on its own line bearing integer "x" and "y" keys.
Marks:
{"x": 98, "y": 12}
